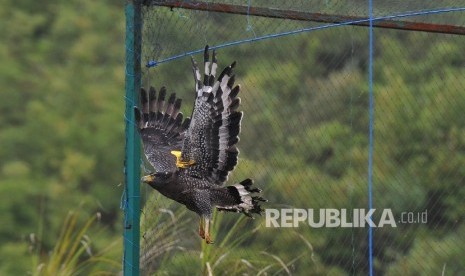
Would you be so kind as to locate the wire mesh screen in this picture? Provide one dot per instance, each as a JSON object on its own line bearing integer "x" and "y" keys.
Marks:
{"x": 305, "y": 138}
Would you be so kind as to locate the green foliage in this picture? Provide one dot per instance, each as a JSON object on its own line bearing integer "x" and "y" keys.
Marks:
{"x": 72, "y": 253}
{"x": 162, "y": 231}
{"x": 167, "y": 245}
{"x": 441, "y": 256}
{"x": 60, "y": 114}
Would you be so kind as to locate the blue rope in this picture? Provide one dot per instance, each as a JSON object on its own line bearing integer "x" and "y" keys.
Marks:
{"x": 370, "y": 148}
{"x": 154, "y": 63}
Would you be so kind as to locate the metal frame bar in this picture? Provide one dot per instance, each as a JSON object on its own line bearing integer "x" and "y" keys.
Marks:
{"x": 308, "y": 16}
{"x": 131, "y": 195}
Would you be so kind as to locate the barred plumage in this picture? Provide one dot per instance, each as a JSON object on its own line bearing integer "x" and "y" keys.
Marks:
{"x": 162, "y": 131}
{"x": 205, "y": 146}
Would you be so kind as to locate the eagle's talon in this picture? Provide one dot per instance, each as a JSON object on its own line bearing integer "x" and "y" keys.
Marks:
{"x": 201, "y": 230}
{"x": 206, "y": 224}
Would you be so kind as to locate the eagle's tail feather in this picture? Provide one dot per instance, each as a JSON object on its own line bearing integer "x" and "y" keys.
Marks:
{"x": 239, "y": 198}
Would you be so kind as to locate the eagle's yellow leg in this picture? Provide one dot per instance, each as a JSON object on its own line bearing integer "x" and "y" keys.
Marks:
{"x": 179, "y": 163}
{"x": 208, "y": 239}
{"x": 201, "y": 228}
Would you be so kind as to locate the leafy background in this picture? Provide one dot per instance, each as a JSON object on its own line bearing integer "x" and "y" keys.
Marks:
{"x": 304, "y": 141}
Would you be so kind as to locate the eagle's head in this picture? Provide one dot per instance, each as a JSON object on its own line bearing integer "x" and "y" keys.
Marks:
{"x": 158, "y": 180}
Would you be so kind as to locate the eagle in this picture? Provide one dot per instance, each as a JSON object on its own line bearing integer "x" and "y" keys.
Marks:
{"x": 193, "y": 157}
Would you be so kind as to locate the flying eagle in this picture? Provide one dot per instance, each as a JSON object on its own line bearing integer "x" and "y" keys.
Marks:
{"x": 193, "y": 157}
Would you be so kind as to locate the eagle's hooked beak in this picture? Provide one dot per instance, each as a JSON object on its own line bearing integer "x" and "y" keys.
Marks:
{"x": 148, "y": 178}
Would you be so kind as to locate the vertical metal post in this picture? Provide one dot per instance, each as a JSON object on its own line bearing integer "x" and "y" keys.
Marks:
{"x": 370, "y": 134}
{"x": 131, "y": 197}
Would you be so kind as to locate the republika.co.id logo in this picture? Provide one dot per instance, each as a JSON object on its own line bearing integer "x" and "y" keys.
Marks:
{"x": 344, "y": 218}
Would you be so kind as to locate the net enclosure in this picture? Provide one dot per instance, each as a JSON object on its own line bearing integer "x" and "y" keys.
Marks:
{"x": 353, "y": 127}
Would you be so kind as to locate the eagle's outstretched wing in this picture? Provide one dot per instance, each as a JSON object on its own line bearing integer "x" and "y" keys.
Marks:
{"x": 215, "y": 125}
{"x": 161, "y": 127}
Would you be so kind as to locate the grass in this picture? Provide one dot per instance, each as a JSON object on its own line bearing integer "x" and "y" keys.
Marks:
{"x": 170, "y": 244}
{"x": 162, "y": 232}
{"x": 72, "y": 253}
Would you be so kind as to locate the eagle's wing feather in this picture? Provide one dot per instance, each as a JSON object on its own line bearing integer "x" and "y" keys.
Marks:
{"x": 215, "y": 126}
{"x": 161, "y": 127}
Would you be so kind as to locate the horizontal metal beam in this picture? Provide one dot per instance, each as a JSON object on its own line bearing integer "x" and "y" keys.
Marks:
{"x": 308, "y": 16}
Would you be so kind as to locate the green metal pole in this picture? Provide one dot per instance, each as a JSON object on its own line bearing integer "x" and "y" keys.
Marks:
{"x": 131, "y": 196}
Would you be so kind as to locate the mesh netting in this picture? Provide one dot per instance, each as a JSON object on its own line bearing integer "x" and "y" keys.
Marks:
{"x": 305, "y": 139}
